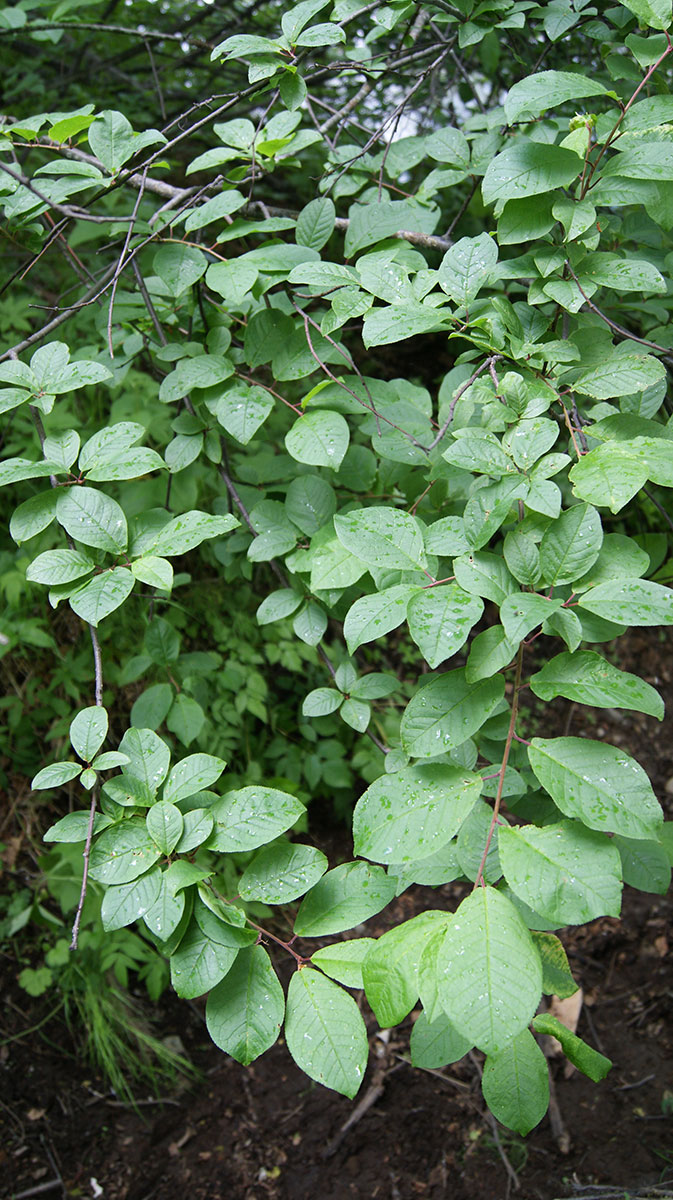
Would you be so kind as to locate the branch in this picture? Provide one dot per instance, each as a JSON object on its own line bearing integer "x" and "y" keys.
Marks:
{"x": 98, "y": 692}
{"x": 490, "y": 362}
{"x": 633, "y": 337}
{"x": 503, "y": 765}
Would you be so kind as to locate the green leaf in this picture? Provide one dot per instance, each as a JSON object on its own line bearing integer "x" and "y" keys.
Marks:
{"x": 310, "y": 502}
{"x": 490, "y": 651}
{"x": 221, "y": 922}
{"x": 479, "y": 451}
{"x": 447, "y": 711}
{"x": 185, "y": 718}
{"x": 281, "y": 873}
{"x": 293, "y": 92}
{"x": 571, "y": 545}
{"x": 189, "y": 530}
{"x": 489, "y": 972}
{"x": 102, "y": 595}
{"x": 155, "y": 572}
{"x": 440, "y": 620}
{"x": 609, "y": 475}
{"x": 325, "y": 1032}
{"x": 557, "y": 979}
{"x": 88, "y": 731}
{"x": 645, "y": 865}
{"x": 408, "y": 815}
{"x": 321, "y": 702}
{"x": 383, "y": 538}
{"x": 148, "y": 757}
{"x": 245, "y": 1011}
{"x": 515, "y": 1083}
{"x": 344, "y": 897}
{"x": 252, "y": 816}
{"x": 369, "y": 223}
{"x": 587, "y": 678}
{"x": 525, "y": 220}
{"x": 125, "y": 903}
{"x": 223, "y": 205}
{"x": 374, "y": 686}
{"x": 437, "y": 1043}
{"x": 128, "y": 792}
{"x": 126, "y": 464}
{"x": 372, "y": 617}
{"x": 522, "y": 557}
{"x": 321, "y": 35}
{"x": 565, "y": 872}
{"x": 597, "y": 784}
{"x": 108, "y": 760}
{"x": 484, "y": 575}
{"x": 33, "y": 516}
{"x": 59, "y": 566}
{"x": 310, "y": 623}
{"x": 538, "y": 93}
{"x": 620, "y": 375}
{"x": 343, "y": 960}
{"x": 74, "y": 827}
{"x": 55, "y": 774}
{"x": 529, "y": 168}
{"x": 152, "y": 706}
{"x": 467, "y": 266}
{"x": 395, "y": 322}
{"x": 523, "y": 612}
{"x": 332, "y": 565}
{"x": 13, "y": 470}
{"x": 588, "y": 1061}
{"x": 197, "y": 827}
{"x": 355, "y": 713}
{"x": 278, "y": 605}
{"x": 92, "y": 517}
{"x": 390, "y": 969}
{"x": 168, "y": 910}
{"x": 243, "y": 410}
{"x": 193, "y": 774}
{"x": 631, "y": 602}
{"x": 623, "y": 274}
{"x": 164, "y": 825}
{"x": 199, "y": 964}
{"x": 315, "y": 223}
{"x": 446, "y": 537}
{"x": 179, "y": 266}
{"x": 111, "y": 439}
{"x": 656, "y": 14}
{"x": 111, "y": 139}
{"x": 123, "y": 852}
{"x": 319, "y": 438}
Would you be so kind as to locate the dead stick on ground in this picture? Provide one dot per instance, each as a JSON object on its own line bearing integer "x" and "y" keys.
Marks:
{"x": 373, "y": 1093}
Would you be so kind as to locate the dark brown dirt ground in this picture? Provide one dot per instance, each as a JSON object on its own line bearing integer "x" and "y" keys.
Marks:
{"x": 268, "y": 1133}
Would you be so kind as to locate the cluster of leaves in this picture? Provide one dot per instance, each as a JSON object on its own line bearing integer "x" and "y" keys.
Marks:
{"x": 473, "y": 508}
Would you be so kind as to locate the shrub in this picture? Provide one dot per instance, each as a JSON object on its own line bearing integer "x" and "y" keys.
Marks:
{"x": 389, "y": 349}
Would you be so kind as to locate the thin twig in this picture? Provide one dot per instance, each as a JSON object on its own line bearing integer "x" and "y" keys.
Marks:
{"x": 461, "y": 391}
{"x": 121, "y": 264}
{"x": 503, "y": 765}
{"x": 613, "y": 324}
